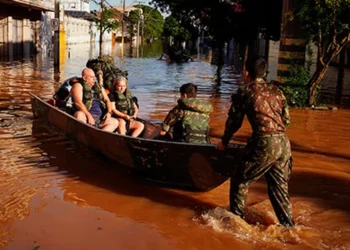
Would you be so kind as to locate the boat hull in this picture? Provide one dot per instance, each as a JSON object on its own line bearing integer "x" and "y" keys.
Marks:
{"x": 182, "y": 165}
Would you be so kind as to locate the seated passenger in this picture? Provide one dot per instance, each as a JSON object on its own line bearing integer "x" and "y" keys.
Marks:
{"x": 125, "y": 108}
{"x": 190, "y": 118}
{"x": 91, "y": 102}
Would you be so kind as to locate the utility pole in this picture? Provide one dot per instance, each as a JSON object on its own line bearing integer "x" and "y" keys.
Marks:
{"x": 143, "y": 25}
{"x": 101, "y": 26}
{"x": 56, "y": 39}
{"x": 138, "y": 35}
{"x": 123, "y": 28}
{"x": 142, "y": 29}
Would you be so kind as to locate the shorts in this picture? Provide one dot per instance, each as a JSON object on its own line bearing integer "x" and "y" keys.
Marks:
{"x": 98, "y": 120}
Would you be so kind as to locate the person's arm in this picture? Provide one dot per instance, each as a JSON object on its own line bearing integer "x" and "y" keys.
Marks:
{"x": 174, "y": 115}
{"x": 108, "y": 104}
{"x": 136, "y": 110}
{"x": 233, "y": 122}
{"x": 77, "y": 94}
{"x": 117, "y": 113}
{"x": 99, "y": 73}
{"x": 285, "y": 112}
{"x": 100, "y": 79}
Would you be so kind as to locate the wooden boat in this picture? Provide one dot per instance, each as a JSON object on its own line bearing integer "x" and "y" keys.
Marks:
{"x": 183, "y": 165}
{"x": 176, "y": 58}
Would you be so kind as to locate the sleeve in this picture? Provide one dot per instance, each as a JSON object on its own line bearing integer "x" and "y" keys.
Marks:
{"x": 285, "y": 112}
{"x": 174, "y": 115}
{"x": 235, "y": 118}
{"x": 98, "y": 69}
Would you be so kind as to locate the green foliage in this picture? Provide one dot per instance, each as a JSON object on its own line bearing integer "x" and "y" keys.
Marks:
{"x": 108, "y": 20}
{"x": 327, "y": 24}
{"x": 173, "y": 27}
{"x": 226, "y": 19}
{"x": 133, "y": 19}
{"x": 295, "y": 87}
{"x": 323, "y": 19}
{"x": 153, "y": 21}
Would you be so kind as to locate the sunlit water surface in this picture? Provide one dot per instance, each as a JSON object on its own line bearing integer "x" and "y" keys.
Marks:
{"x": 57, "y": 194}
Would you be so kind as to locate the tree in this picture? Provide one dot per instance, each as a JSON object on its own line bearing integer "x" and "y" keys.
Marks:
{"x": 133, "y": 18}
{"x": 153, "y": 21}
{"x": 226, "y": 19}
{"x": 106, "y": 20}
{"x": 173, "y": 28}
{"x": 326, "y": 23}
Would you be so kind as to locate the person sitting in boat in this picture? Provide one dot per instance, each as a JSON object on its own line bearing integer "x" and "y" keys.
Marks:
{"x": 91, "y": 102}
{"x": 190, "y": 118}
{"x": 125, "y": 108}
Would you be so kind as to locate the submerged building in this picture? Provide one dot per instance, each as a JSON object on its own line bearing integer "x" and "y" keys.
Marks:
{"x": 20, "y": 24}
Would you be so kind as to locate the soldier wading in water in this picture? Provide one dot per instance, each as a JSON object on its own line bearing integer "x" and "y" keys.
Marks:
{"x": 268, "y": 150}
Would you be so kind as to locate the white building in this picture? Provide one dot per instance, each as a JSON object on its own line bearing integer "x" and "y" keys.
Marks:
{"x": 76, "y": 5}
{"x": 80, "y": 28}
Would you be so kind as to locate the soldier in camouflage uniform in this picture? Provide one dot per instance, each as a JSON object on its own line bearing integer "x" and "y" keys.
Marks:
{"x": 268, "y": 150}
{"x": 190, "y": 118}
{"x": 105, "y": 70}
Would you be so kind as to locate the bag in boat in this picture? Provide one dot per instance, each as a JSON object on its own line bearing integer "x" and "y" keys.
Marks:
{"x": 109, "y": 70}
{"x": 62, "y": 99}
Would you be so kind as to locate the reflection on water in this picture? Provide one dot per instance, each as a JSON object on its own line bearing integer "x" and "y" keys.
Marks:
{"x": 57, "y": 194}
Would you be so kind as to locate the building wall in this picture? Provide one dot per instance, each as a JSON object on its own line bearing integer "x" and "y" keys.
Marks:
{"x": 82, "y": 31}
{"x": 19, "y": 29}
{"x": 273, "y": 59}
{"x": 17, "y": 37}
{"x": 78, "y": 5}
{"x": 44, "y": 4}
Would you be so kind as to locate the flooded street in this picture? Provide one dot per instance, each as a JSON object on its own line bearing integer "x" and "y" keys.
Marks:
{"x": 57, "y": 194}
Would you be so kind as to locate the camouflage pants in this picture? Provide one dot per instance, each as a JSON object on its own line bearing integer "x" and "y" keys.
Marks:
{"x": 268, "y": 155}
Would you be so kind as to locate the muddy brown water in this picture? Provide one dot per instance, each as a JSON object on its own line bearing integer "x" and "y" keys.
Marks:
{"x": 57, "y": 194}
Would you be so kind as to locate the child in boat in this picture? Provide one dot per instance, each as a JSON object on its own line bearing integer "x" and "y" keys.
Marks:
{"x": 124, "y": 108}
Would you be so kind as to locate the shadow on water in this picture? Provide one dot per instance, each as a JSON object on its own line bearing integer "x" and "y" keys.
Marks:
{"x": 297, "y": 147}
{"x": 95, "y": 169}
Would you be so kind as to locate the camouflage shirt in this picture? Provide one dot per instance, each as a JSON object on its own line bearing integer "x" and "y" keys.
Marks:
{"x": 190, "y": 120}
{"x": 97, "y": 68}
{"x": 265, "y": 106}
{"x": 173, "y": 116}
{"x": 105, "y": 67}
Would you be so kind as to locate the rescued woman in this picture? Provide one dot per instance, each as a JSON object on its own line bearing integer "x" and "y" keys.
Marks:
{"x": 124, "y": 108}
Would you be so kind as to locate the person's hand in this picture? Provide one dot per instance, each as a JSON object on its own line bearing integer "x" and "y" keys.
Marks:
{"x": 106, "y": 117}
{"x": 162, "y": 132}
{"x": 127, "y": 117}
{"x": 91, "y": 120}
{"x": 220, "y": 146}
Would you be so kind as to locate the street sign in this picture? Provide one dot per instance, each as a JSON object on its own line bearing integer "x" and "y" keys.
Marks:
{"x": 54, "y": 24}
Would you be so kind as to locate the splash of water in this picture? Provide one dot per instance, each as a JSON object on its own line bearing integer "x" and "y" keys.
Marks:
{"x": 264, "y": 232}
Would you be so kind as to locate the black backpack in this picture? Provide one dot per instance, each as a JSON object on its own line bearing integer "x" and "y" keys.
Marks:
{"x": 62, "y": 97}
